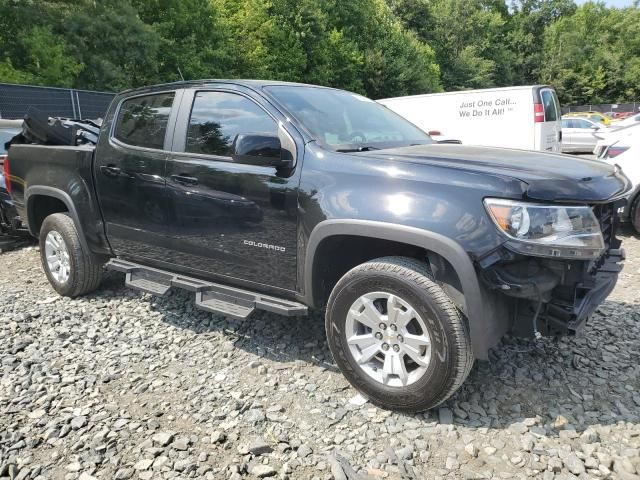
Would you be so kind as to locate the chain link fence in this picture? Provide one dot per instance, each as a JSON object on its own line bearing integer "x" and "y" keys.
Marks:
{"x": 604, "y": 108}
{"x": 15, "y": 100}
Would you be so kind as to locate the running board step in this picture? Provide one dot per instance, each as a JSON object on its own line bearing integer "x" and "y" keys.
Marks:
{"x": 213, "y": 297}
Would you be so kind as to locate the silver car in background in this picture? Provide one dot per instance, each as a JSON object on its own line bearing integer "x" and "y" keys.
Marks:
{"x": 579, "y": 135}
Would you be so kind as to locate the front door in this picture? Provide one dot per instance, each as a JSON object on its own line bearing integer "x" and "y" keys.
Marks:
{"x": 228, "y": 218}
{"x": 130, "y": 175}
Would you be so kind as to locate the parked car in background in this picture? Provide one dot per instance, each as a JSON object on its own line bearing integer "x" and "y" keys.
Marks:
{"x": 594, "y": 116}
{"x": 9, "y": 219}
{"x": 517, "y": 117}
{"x": 617, "y": 116}
{"x": 625, "y": 152}
{"x": 631, "y": 119}
{"x": 609, "y": 135}
{"x": 579, "y": 134}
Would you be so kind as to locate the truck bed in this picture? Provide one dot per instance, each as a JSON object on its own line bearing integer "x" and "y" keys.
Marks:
{"x": 40, "y": 172}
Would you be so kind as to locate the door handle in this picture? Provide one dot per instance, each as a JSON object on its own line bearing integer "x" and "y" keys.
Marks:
{"x": 184, "y": 179}
{"x": 110, "y": 170}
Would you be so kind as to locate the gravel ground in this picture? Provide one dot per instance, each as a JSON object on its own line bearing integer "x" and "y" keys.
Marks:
{"x": 120, "y": 385}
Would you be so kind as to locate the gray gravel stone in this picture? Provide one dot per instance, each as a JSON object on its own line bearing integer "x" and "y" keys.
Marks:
{"x": 304, "y": 451}
{"x": 78, "y": 422}
{"x": 143, "y": 464}
{"x": 574, "y": 464}
{"x": 260, "y": 447}
{"x": 104, "y": 382}
{"x": 162, "y": 438}
{"x": 445, "y": 415}
{"x": 262, "y": 471}
{"x": 181, "y": 443}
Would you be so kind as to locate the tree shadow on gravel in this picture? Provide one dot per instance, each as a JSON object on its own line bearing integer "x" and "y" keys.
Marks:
{"x": 591, "y": 379}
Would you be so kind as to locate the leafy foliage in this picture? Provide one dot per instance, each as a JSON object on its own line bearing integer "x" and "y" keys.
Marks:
{"x": 381, "y": 48}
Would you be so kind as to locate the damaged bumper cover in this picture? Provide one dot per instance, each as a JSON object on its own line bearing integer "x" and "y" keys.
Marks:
{"x": 550, "y": 296}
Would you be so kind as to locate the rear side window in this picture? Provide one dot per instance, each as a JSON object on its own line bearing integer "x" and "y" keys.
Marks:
{"x": 142, "y": 121}
{"x": 549, "y": 104}
{"x": 218, "y": 117}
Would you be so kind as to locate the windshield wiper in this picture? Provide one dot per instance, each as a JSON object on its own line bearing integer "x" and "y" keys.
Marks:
{"x": 364, "y": 148}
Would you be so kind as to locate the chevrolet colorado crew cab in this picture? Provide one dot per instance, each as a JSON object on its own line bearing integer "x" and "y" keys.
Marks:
{"x": 287, "y": 197}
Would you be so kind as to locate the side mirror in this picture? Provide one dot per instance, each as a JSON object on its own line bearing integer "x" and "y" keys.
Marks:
{"x": 259, "y": 149}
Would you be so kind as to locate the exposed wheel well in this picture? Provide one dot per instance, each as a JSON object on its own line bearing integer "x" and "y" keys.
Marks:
{"x": 40, "y": 207}
{"x": 338, "y": 254}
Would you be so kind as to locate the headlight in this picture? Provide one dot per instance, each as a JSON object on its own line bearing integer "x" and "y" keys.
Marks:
{"x": 564, "y": 231}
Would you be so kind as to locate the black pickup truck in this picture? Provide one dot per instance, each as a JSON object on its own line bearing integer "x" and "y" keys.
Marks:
{"x": 283, "y": 197}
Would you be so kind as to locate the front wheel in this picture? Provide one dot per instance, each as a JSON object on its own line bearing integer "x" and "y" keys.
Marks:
{"x": 396, "y": 335}
{"x": 71, "y": 270}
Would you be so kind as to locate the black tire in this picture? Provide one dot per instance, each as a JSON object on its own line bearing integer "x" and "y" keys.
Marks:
{"x": 451, "y": 356}
{"x": 634, "y": 214}
{"x": 85, "y": 269}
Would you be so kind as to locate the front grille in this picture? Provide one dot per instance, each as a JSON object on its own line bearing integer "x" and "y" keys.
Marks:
{"x": 606, "y": 215}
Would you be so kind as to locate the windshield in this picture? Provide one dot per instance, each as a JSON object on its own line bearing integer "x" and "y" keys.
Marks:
{"x": 344, "y": 121}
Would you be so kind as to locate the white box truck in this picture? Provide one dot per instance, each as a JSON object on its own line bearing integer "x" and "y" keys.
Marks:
{"x": 514, "y": 117}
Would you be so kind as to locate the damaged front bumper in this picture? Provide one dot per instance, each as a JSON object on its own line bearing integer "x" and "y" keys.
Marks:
{"x": 550, "y": 296}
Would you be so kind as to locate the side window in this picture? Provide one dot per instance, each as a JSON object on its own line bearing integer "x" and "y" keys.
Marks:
{"x": 218, "y": 117}
{"x": 142, "y": 121}
{"x": 550, "y": 112}
{"x": 566, "y": 123}
{"x": 583, "y": 124}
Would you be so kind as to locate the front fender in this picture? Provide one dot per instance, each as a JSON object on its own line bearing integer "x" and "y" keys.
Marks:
{"x": 486, "y": 326}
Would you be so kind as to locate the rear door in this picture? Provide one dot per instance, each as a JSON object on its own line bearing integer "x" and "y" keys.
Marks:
{"x": 130, "y": 173}
{"x": 549, "y": 131}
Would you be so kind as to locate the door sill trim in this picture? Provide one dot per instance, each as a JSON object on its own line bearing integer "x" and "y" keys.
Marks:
{"x": 213, "y": 297}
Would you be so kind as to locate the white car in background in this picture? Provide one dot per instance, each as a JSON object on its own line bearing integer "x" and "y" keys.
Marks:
{"x": 579, "y": 135}
{"x": 625, "y": 152}
{"x": 608, "y": 136}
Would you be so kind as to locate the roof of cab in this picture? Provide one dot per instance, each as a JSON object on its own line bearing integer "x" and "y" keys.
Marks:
{"x": 253, "y": 84}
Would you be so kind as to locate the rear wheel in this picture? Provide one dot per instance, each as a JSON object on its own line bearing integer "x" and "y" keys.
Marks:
{"x": 396, "y": 335}
{"x": 71, "y": 270}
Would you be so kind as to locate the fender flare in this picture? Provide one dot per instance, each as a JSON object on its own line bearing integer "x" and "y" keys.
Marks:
{"x": 59, "y": 195}
{"x": 432, "y": 241}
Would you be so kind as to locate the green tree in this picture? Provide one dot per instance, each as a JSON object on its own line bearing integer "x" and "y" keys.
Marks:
{"x": 468, "y": 38}
{"x": 118, "y": 49}
{"x": 593, "y": 55}
{"x": 191, "y": 36}
{"x": 36, "y": 55}
{"x": 527, "y": 27}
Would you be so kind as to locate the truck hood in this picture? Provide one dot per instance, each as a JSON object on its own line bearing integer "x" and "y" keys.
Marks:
{"x": 548, "y": 176}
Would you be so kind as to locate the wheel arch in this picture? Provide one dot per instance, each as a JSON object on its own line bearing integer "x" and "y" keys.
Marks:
{"x": 36, "y": 194}
{"x": 442, "y": 252}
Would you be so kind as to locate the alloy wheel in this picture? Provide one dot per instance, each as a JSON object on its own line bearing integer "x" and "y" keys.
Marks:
{"x": 388, "y": 339}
